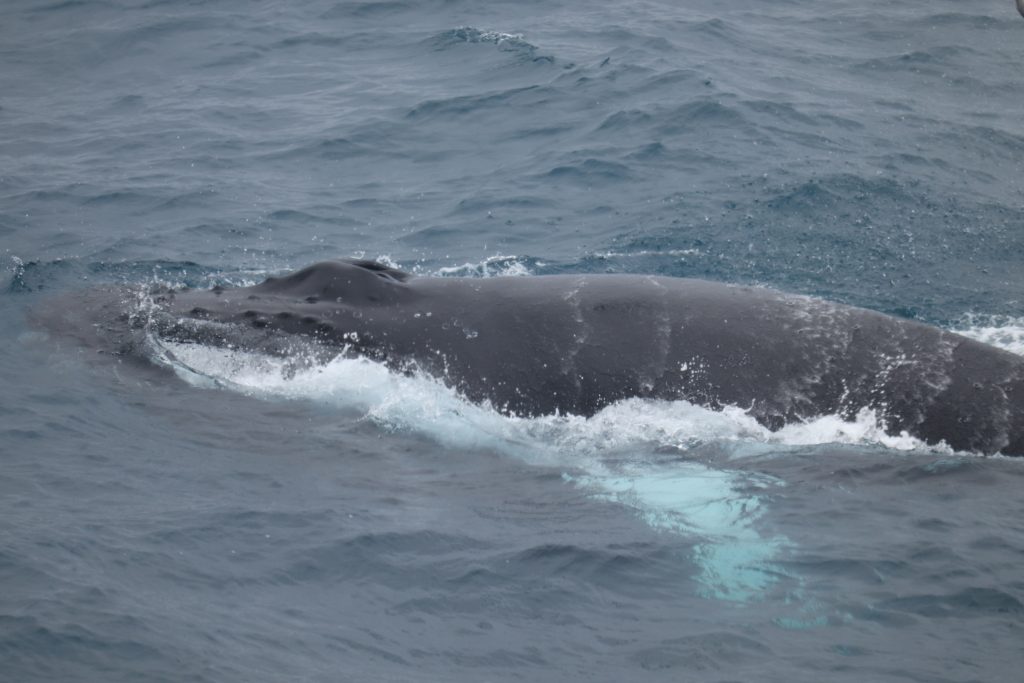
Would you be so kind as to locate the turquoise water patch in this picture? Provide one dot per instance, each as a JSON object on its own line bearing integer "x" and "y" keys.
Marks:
{"x": 735, "y": 561}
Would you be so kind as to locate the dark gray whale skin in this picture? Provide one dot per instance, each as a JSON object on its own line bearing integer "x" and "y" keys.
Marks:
{"x": 573, "y": 344}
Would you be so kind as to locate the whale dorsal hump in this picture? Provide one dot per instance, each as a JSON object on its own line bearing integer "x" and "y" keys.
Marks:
{"x": 344, "y": 280}
{"x": 379, "y": 268}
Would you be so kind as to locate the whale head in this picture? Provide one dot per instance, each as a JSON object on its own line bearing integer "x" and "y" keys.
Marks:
{"x": 342, "y": 303}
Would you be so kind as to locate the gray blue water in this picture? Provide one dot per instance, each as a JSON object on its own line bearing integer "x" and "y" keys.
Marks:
{"x": 215, "y": 519}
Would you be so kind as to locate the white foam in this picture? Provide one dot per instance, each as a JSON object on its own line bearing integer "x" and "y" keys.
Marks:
{"x": 613, "y": 455}
{"x": 1005, "y": 332}
{"x": 865, "y": 428}
{"x": 498, "y": 265}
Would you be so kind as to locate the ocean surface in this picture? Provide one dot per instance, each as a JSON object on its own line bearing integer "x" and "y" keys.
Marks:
{"x": 216, "y": 518}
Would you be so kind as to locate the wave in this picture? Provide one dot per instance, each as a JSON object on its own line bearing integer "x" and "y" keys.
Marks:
{"x": 505, "y": 42}
{"x": 465, "y": 105}
{"x": 931, "y": 61}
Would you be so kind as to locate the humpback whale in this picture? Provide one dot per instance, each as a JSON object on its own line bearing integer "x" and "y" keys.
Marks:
{"x": 573, "y": 344}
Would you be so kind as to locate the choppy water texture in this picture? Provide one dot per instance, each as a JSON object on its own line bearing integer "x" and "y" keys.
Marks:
{"x": 215, "y": 518}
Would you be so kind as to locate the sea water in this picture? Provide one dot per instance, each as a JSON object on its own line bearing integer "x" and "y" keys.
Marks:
{"x": 213, "y": 515}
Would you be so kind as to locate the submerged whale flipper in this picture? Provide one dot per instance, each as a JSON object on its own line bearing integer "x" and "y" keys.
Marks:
{"x": 574, "y": 344}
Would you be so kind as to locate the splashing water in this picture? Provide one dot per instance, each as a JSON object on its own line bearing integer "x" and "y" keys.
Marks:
{"x": 493, "y": 266}
{"x": 1004, "y": 332}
